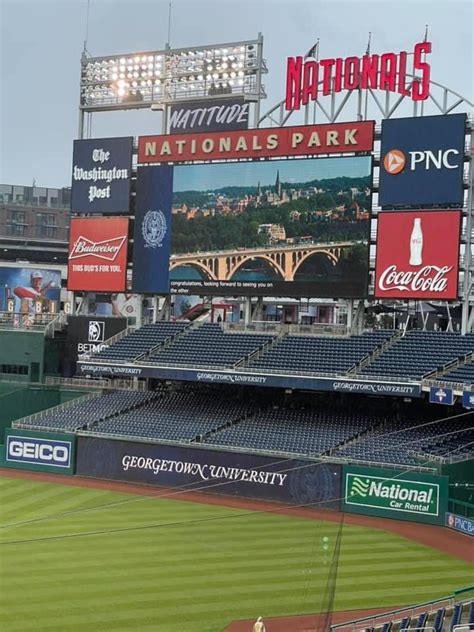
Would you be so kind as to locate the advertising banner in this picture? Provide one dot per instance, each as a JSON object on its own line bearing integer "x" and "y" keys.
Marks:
{"x": 252, "y": 379}
{"x": 273, "y": 228}
{"x": 39, "y": 451}
{"x": 441, "y": 396}
{"x": 417, "y": 255}
{"x": 233, "y": 474}
{"x": 101, "y": 173}
{"x": 210, "y": 116}
{"x": 97, "y": 254}
{"x": 421, "y": 160}
{"x": 460, "y": 523}
{"x": 302, "y": 140}
{"x": 394, "y": 494}
{"x": 468, "y": 399}
{"x": 86, "y": 334}
{"x": 152, "y": 233}
{"x": 22, "y": 289}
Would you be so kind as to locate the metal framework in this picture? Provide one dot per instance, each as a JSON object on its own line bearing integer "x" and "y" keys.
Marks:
{"x": 138, "y": 80}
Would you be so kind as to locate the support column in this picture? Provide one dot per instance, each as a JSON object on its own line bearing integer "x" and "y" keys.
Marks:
{"x": 247, "y": 310}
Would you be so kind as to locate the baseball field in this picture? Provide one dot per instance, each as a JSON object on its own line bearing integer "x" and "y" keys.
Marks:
{"x": 77, "y": 558}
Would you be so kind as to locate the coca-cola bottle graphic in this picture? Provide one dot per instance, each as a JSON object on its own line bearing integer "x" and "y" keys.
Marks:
{"x": 416, "y": 243}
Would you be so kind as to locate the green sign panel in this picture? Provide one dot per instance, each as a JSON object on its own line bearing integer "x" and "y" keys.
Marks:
{"x": 39, "y": 451}
{"x": 395, "y": 494}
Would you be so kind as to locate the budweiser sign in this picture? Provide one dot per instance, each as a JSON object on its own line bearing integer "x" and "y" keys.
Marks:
{"x": 97, "y": 254}
{"x": 417, "y": 255}
{"x": 107, "y": 249}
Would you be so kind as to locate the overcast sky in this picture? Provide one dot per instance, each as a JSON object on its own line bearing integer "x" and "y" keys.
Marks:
{"x": 41, "y": 43}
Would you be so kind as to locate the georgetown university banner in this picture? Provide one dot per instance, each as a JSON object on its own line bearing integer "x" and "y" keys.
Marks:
{"x": 233, "y": 474}
{"x": 151, "y": 249}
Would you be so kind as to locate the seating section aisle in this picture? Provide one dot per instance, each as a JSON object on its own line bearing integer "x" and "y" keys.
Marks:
{"x": 420, "y": 352}
{"x": 462, "y": 374}
{"x": 396, "y": 443}
{"x": 303, "y": 431}
{"x": 84, "y": 413}
{"x": 140, "y": 341}
{"x": 176, "y": 416}
{"x": 209, "y": 345}
{"x": 315, "y": 354}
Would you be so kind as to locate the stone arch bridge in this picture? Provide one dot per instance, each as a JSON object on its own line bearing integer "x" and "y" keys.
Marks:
{"x": 283, "y": 260}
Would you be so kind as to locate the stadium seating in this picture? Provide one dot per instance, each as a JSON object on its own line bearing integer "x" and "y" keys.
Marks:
{"x": 418, "y": 353}
{"x": 210, "y": 345}
{"x": 300, "y": 431}
{"x": 456, "y": 616}
{"x": 463, "y": 374}
{"x": 84, "y": 413}
{"x": 140, "y": 341}
{"x": 399, "y": 444}
{"x": 318, "y": 354}
{"x": 439, "y": 619}
{"x": 175, "y": 416}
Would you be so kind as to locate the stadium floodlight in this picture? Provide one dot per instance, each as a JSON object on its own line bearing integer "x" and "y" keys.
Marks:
{"x": 137, "y": 80}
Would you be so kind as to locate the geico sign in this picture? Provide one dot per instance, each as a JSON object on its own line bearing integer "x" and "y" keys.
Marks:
{"x": 395, "y": 160}
{"x": 41, "y": 451}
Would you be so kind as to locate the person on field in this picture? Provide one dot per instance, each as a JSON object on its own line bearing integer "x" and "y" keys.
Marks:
{"x": 258, "y": 626}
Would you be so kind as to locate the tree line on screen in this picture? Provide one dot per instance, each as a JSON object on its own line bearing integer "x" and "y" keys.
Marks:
{"x": 230, "y": 231}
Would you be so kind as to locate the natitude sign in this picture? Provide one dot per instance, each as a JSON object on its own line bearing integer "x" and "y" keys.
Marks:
{"x": 417, "y": 255}
{"x": 209, "y": 116}
{"x": 305, "y": 77}
{"x": 97, "y": 254}
{"x": 301, "y": 140}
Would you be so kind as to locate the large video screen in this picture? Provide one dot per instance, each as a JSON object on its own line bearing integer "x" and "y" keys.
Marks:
{"x": 24, "y": 288}
{"x": 278, "y": 227}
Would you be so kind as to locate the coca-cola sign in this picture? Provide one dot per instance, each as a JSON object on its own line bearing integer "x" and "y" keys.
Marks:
{"x": 97, "y": 254}
{"x": 417, "y": 255}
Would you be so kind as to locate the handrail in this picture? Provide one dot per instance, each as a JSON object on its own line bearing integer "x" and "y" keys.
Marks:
{"x": 30, "y": 419}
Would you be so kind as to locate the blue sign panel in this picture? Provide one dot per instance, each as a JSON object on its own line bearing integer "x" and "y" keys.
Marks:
{"x": 468, "y": 399}
{"x": 421, "y": 161}
{"x": 151, "y": 248}
{"x": 101, "y": 172}
{"x": 459, "y": 523}
{"x": 252, "y": 379}
{"x": 38, "y": 451}
{"x": 231, "y": 473}
{"x": 441, "y": 396}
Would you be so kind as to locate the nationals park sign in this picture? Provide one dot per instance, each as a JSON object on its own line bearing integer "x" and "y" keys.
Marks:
{"x": 299, "y": 140}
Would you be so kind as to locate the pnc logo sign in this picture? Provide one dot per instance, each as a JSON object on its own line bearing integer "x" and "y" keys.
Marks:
{"x": 421, "y": 161}
{"x": 395, "y": 160}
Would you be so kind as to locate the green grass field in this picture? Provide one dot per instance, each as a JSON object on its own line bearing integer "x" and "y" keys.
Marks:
{"x": 83, "y": 559}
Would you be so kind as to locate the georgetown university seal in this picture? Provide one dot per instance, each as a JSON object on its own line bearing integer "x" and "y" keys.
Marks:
{"x": 154, "y": 228}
